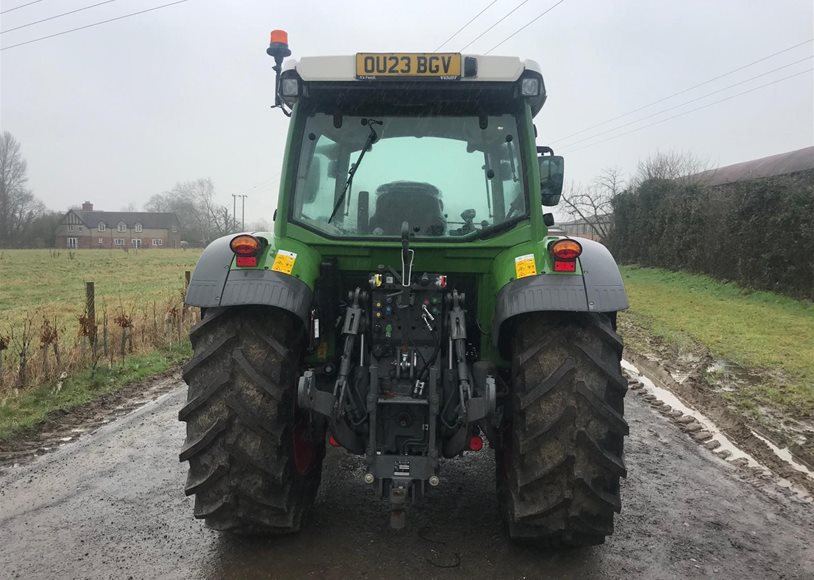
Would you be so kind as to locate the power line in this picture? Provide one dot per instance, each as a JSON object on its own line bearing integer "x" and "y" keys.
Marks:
{"x": 706, "y": 82}
{"x": 678, "y": 106}
{"x": 692, "y": 110}
{"x": 57, "y": 16}
{"x": 20, "y": 6}
{"x": 470, "y": 21}
{"x": 535, "y": 19}
{"x": 93, "y": 24}
{"x": 512, "y": 11}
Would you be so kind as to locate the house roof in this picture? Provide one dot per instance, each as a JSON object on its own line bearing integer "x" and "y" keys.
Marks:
{"x": 781, "y": 164}
{"x": 148, "y": 219}
{"x": 594, "y": 219}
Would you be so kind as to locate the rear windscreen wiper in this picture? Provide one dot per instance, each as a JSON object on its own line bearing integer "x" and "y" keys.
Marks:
{"x": 500, "y": 228}
{"x": 371, "y": 139}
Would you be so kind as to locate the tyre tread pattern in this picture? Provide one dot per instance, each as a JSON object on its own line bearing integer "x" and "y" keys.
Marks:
{"x": 566, "y": 438}
{"x": 239, "y": 415}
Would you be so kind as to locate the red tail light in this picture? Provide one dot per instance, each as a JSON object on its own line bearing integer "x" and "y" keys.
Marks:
{"x": 562, "y": 266}
{"x": 475, "y": 443}
{"x": 246, "y": 248}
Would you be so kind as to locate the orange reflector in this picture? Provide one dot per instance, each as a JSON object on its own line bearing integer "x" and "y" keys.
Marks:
{"x": 332, "y": 440}
{"x": 565, "y": 249}
{"x": 475, "y": 443}
{"x": 279, "y": 37}
{"x": 245, "y": 245}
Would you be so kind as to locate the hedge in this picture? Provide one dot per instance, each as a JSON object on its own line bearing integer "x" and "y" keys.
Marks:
{"x": 758, "y": 234}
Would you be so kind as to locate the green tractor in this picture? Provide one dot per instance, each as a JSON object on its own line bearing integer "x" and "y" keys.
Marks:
{"x": 409, "y": 304}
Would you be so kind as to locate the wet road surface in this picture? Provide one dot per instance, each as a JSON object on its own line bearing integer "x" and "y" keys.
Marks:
{"x": 111, "y": 505}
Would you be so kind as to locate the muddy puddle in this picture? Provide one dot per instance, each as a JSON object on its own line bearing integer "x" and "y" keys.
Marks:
{"x": 715, "y": 439}
{"x": 64, "y": 427}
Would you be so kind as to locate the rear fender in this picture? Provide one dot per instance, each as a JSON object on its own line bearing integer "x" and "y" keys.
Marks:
{"x": 598, "y": 289}
{"x": 217, "y": 282}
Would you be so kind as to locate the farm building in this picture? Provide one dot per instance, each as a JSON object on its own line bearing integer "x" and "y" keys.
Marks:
{"x": 87, "y": 228}
{"x": 799, "y": 163}
{"x": 591, "y": 227}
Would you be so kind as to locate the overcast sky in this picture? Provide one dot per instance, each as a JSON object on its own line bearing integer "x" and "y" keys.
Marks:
{"x": 121, "y": 111}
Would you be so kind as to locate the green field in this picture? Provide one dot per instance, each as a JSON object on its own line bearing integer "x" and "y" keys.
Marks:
{"x": 38, "y": 283}
{"x": 757, "y": 330}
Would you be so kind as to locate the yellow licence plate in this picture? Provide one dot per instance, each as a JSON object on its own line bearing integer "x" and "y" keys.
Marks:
{"x": 395, "y": 65}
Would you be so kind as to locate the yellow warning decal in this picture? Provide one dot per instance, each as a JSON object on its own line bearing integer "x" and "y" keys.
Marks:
{"x": 525, "y": 266}
{"x": 284, "y": 261}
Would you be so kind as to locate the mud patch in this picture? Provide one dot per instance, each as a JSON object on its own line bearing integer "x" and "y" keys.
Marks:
{"x": 711, "y": 424}
{"x": 711, "y": 384}
{"x": 62, "y": 427}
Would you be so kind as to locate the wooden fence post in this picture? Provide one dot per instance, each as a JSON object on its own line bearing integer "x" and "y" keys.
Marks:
{"x": 90, "y": 312}
{"x": 184, "y": 309}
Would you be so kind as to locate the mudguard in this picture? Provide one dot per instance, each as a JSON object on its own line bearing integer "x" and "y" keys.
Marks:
{"x": 599, "y": 289}
{"x": 214, "y": 283}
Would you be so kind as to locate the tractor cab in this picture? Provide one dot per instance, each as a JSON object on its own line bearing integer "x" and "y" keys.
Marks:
{"x": 443, "y": 141}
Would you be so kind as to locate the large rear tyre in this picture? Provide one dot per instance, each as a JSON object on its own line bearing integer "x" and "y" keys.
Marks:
{"x": 255, "y": 461}
{"x": 560, "y": 458}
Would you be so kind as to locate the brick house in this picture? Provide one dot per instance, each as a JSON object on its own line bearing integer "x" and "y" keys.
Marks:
{"x": 85, "y": 228}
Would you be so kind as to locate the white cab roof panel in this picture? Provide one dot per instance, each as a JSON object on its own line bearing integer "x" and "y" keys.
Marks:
{"x": 343, "y": 68}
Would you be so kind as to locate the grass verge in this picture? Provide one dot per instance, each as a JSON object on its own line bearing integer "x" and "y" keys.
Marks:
{"x": 756, "y": 330}
{"x": 34, "y": 406}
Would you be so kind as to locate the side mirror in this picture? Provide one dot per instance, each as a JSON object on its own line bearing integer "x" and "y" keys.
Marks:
{"x": 552, "y": 171}
{"x": 313, "y": 181}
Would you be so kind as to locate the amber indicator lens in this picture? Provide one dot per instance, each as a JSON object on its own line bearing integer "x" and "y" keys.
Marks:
{"x": 565, "y": 249}
{"x": 245, "y": 245}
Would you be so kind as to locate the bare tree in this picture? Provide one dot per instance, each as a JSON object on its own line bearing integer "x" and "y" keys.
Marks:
{"x": 18, "y": 206}
{"x": 592, "y": 204}
{"x": 259, "y": 225}
{"x": 202, "y": 218}
{"x": 674, "y": 165}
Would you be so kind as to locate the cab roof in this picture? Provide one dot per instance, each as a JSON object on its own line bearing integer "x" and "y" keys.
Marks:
{"x": 343, "y": 68}
{"x": 497, "y": 71}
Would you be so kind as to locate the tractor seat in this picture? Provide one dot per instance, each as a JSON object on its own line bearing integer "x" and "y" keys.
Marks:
{"x": 419, "y": 204}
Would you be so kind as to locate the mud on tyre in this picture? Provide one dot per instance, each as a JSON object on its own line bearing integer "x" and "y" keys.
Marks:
{"x": 560, "y": 459}
{"x": 254, "y": 461}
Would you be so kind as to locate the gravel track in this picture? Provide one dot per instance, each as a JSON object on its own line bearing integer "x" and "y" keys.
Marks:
{"x": 111, "y": 505}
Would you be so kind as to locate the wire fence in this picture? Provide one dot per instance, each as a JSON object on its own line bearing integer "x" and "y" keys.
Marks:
{"x": 46, "y": 349}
